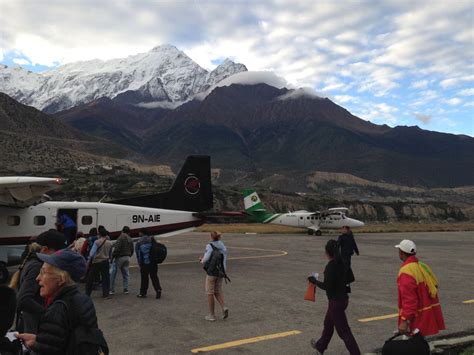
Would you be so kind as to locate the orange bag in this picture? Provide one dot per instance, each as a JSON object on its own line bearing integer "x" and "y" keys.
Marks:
{"x": 310, "y": 294}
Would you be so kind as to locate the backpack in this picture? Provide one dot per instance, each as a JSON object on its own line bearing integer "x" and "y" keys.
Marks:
{"x": 158, "y": 252}
{"x": 215, "y": 265}
{"x": 83, "y": 340}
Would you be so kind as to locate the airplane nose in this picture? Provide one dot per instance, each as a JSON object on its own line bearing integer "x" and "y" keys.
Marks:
{"x": 354, "y": 223}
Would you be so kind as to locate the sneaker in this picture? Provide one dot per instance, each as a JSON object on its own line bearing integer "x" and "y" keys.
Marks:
{"x": 158, "y": 295}
{"x": 225, "y": 313}
{"x": 111, "y": 292}
{"x": 210, "y": 318}
{"x": 141, "y": 296}
{"x": 125, "y": 292}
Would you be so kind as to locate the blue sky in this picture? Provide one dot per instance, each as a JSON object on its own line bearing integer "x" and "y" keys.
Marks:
{"x": 391, "y": 62}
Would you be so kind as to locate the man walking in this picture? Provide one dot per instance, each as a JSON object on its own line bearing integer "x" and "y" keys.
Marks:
{"x": 348, "y": 245}
{"x": 418, "y": 304}
{"x": 214, "y": 258}
{"x": 148, "y": 269}
{"x": 123, "y": 250}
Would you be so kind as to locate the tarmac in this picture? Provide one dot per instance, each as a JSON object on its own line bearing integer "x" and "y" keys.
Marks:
{"x": 267, "y": 312}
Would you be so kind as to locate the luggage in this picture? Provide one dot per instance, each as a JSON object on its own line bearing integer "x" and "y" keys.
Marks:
{"x": 414, "y": 345}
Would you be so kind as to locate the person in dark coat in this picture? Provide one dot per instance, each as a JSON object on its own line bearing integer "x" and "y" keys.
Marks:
{"x": 30, "y": 303}
{"x": 335, "y": 281}
{"x": 148, "y": 269}
{"x": 7, "y": 314}
{"x": 348, "y": 245}
{"x": 57, "y": 285}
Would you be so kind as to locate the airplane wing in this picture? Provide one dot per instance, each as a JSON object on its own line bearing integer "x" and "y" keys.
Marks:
{"x": 24, "y": 191}
{"x": 332, "y": 211}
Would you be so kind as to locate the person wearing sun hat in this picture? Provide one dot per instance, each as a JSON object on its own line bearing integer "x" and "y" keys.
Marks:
{"x": 57, "y": 280}
{"x": 418, "y": 303}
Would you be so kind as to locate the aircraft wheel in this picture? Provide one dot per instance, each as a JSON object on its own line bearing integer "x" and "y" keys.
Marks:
{"x": 318, "y": 233}
{"x": 4, "y": 274}
{"x": 310, "y": 232}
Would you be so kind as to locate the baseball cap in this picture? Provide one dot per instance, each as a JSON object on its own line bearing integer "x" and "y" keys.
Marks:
{"x": 67, "y": 260}
{"x": 407, "y": 246}
{"x": 52, "y": 239}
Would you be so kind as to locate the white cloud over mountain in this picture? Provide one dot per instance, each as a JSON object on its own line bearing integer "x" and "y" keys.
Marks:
{"x": 382, "y": 52}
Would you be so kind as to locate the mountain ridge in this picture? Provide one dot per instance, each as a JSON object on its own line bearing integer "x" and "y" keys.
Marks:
{"x": 162, "y": 74}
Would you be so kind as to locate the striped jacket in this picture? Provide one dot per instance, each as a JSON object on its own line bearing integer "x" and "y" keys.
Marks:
{"x": 418, "y": 297}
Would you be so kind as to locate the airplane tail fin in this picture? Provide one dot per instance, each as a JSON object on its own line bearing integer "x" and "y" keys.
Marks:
{"x": 254, "y": 207}
{"x": 191, "y": 190}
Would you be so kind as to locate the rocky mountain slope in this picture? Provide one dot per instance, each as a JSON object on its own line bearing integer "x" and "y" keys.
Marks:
{"x": 262, "y": 133}
{"x": 33, "y": 142}
{"x": 164, "y": 74}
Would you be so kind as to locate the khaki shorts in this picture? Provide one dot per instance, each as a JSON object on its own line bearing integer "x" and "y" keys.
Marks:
{"x": 213, "y": 285}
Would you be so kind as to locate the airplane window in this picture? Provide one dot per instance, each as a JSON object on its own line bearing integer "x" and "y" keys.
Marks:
{"x": 13, "y": 220}
{"x": 39, "y": 220}
{"x": 86, "y": 220}
{"x": 301, "y": 217}
{"x": 307, "y": 217}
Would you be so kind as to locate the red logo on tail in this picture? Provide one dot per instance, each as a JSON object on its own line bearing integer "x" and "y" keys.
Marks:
{"x": 192, "y": 184}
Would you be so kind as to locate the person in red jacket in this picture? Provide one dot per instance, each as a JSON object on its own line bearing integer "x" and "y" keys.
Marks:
{"x": 419, "y": 310}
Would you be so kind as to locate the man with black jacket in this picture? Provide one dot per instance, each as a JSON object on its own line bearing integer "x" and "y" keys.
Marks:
{"x": 30, "y": 303}
{"x": 122, "y": 251}
{"x": 348, "y": 245}
{"x": 335, "y": 281}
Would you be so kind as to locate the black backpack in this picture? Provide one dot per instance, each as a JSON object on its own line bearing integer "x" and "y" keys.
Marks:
{"x": 83, "y": 340}
{"x": 215, "y": 265}
{"x": 158, "y": 252}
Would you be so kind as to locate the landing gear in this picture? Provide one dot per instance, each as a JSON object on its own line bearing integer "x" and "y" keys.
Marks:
{"x": 310, "y": 232}
{"x": 318, "y": 233}
{"x": 3, "y": 273}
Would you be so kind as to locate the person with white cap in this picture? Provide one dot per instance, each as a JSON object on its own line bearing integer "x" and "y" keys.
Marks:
{"x": 419, "y": 310}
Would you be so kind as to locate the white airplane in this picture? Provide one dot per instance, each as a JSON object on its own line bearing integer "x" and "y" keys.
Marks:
{"x": 24, "y": 213}
{"x": 313, "y": 221}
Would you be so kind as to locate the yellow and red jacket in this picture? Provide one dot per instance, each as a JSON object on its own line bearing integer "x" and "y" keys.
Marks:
{"x": 418, "y": 297}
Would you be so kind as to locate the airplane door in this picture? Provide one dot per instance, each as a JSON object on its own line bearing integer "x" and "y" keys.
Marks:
{"x": 301, "y": 221}
{"x": 86, "y": 219}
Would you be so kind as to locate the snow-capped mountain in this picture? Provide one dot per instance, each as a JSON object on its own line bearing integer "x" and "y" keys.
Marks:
{"x": 162, "y": 74}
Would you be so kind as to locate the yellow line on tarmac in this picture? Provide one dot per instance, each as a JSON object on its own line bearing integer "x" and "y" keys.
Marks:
{"x": 277, "y": 253}
{"x": 387, "y": 316}
{"x": 231, "y": 344}
{"x": 468, "y": 301}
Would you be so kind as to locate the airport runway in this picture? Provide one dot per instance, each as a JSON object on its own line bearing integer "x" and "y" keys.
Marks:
{"x": 267, "y": 312}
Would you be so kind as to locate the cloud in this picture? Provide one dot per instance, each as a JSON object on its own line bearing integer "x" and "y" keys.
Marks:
{"x": 254, "y": 77}
{"x": 298, "y": 93}
{"x": 466, "y": 92}
{"x": 21, "y": 61}
{"x": 423, "y": 118}
{"x": 422, "y": 84}
{"x": 160, "y": 104}
{"x": 454, "y": 101}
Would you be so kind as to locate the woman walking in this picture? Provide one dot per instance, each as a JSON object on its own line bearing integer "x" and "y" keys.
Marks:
{"x": 335, "y": 281}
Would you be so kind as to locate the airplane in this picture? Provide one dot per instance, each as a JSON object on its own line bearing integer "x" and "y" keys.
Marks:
{"x": 24, "y": 213}
{"x": 313, "y": 221}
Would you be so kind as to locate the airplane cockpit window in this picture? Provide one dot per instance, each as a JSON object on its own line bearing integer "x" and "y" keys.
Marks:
{"x": 13, "y": 220}
{"x": 39, "y": 220}
{"x": 86, "y": 220}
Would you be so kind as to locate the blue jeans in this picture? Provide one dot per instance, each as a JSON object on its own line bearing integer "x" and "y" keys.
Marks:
{"x": 121, "y": 263}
